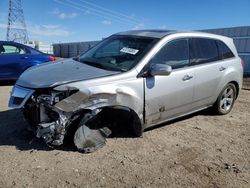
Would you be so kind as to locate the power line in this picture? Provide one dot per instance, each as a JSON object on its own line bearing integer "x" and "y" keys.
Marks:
{"x": 101, "y": 13}
{"x": 110, "y": 11}
{"x": 96, "y": 12}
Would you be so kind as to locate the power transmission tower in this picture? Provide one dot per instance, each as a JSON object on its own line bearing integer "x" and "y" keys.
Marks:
{"x": 16, "y": 30}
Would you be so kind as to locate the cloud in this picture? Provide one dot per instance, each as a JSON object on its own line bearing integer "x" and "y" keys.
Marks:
{"x": 87, "y": 12}
{"x": 138, "y": 26}
{"x": 163, "y": 27}
{"x": 48, "y": 30}
{"x": 106, "y": 22}
{"x": 51, "y": 26}
{"x": 3, "y": 26}
{"x": 43, "y": 30}
{"x": 70, "y": 15}
{"x": 63, "y": 15}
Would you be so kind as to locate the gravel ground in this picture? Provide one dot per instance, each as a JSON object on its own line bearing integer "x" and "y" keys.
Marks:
{"x": 202, "y": 150}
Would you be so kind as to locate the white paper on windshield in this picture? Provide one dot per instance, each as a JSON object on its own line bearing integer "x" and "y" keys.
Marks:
{"x": 129, "y": 50}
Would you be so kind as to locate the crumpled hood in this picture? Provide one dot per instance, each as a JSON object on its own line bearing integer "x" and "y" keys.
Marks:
{"x": 59, "y": 72}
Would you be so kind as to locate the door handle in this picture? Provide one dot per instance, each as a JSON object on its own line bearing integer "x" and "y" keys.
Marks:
{"x": 222, "y": 69}
{"x": 25, "y": 57}
{"x": 187, "y": 77}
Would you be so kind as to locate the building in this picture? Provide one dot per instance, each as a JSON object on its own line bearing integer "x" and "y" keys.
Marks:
{"x": 241, "y": 36}
{"x": 45, "y": 48}
{"x": 66, "y": 50}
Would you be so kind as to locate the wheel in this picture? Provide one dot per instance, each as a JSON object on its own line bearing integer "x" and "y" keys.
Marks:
{"x": 137, "y": 128}
{"x": 226, "y": 100}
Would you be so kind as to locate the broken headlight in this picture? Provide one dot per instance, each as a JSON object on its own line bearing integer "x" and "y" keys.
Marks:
{"x": 56, "y": 95}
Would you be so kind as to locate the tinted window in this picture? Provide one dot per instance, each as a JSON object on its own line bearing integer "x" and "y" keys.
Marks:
{"x": 224, "y": 51}
{"x": 174, "y": 53}
{"x": 203, "y": 50}
{"x": 33, "y": 51}
{"x": 10, "y": 49}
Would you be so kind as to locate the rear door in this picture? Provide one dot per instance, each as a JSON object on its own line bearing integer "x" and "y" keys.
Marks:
{"x": 169, "y": 96}
{"x": 37, "y": 57}
{"x": 208, "y": 70}
{"x": 13, "y": 60}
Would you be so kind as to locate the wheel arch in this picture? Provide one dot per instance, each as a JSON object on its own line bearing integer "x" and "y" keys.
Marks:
{"x": 236, "y": 84}
{"x": 123, "y": 113}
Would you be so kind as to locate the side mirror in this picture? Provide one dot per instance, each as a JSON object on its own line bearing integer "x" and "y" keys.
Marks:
{"x": 160, "y": 69}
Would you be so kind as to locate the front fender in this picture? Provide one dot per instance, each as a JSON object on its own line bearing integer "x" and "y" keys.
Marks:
{"x": 100, "y": 97}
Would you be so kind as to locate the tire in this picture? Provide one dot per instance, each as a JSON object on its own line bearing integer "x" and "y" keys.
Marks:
{"x": 226, "y": 99}
{"x": 137, "y": 128}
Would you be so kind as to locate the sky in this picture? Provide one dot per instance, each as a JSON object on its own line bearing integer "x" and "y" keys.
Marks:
{"x": 53, "y": 21}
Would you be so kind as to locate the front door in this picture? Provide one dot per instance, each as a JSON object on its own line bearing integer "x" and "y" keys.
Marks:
{"x": 170, "y": 96}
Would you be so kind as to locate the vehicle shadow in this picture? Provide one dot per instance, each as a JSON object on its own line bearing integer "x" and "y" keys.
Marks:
{"x": 13, "y": 132}
{"x": 206, "y": 112}
{"x": 7, "y": 82}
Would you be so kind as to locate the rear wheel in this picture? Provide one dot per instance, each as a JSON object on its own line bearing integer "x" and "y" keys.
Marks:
{"x": 226, "y": 100}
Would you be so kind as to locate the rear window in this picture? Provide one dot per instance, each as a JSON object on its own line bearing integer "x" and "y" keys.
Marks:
{"x": 203, "y": 50}
{"x": 34, "y": 51}
{"x": 224, "y": 51}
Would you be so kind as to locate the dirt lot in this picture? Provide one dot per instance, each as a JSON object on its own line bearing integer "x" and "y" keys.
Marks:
{"x": 202, "y": 150}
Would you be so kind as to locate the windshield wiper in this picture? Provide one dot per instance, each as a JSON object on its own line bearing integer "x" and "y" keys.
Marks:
{"x": 92, "y": 63}
{"x": 76, "y": 59}
{"x": 114, "y": 68}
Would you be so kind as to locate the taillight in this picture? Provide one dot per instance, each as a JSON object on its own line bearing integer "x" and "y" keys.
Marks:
{"x": 51, "y": 58}
{"x": 242, "y": 63}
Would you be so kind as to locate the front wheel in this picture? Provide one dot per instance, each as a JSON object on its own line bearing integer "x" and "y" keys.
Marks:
{"x": 226, "y": 99}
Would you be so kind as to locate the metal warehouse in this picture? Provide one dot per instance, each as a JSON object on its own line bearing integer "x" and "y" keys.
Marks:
{"x": 241, "y": 36}
{"x": 73, "y": 49}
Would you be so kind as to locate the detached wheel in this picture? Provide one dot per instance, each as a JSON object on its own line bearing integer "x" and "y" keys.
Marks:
{"x": 226, "y": 99}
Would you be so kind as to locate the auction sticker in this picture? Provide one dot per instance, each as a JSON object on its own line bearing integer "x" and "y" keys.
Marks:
{"x": 129, "y": 50}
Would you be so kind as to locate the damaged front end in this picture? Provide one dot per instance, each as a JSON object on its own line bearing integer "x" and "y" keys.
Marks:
{"x": 52, "y": 124}
{"x": 48, "y": 122}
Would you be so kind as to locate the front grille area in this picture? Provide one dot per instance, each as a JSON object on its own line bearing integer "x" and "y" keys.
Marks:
{"x": 31, "y": 113}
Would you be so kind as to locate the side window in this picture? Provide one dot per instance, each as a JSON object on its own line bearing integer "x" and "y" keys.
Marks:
{"x": 203, "y": 50}
{"x": 174, "y": 53}
{"x": 224, "y": 51}
{"x": 10, "y": 49}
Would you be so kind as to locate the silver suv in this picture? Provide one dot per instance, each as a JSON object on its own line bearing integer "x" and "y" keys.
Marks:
{"x": 135, "y": 79}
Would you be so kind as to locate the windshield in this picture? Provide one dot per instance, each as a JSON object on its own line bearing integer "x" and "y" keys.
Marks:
{"x": 118, "y": 52}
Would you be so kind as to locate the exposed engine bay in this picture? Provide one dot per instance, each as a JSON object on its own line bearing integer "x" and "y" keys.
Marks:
{"x": 52, "y": 124}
